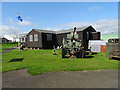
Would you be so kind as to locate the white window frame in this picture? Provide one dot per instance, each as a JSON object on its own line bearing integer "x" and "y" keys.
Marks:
{"x": 31, "y": 38}
{"x": 24, "y": 39}
{"x": 35, "y": 37}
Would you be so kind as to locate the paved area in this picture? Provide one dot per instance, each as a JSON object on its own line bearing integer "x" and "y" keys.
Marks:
{"x": 8, "y": 50}
{"x": 76, "y": 79}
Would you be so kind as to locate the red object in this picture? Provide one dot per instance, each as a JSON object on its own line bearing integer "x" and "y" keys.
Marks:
{"x": 74, "y": 38}
{"x": 103, "y": 48}
{"x": 73, "y": 52}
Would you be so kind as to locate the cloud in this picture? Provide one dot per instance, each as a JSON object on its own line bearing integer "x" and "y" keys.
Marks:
{"x": 8, "y": 30}
{"x": 12, "y": 37}
{"x": 107, "y": 26}
{"x": 26, "y": 23}
{"x": 12, "y": 29}
{"x": 104, "y": 26}
{"x": 74, "y": 24}
{"x": 95, "y": 8}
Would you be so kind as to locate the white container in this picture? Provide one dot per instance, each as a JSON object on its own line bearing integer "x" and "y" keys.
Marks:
{"x": 95, "y": 45}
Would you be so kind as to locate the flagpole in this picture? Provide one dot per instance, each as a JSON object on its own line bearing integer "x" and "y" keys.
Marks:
{"x": 19, "y": 18}
{"x": 18, "y": 35}
{"x": 18, "y": 41}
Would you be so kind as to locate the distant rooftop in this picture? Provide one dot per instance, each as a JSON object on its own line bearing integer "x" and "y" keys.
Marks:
{"x": 22, "y": 35}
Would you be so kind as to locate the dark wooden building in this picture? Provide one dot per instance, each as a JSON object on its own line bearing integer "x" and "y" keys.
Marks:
{"x": 4, "y": 40}
{"x": 42, "y": 39}
{"x": 45, "y": 39}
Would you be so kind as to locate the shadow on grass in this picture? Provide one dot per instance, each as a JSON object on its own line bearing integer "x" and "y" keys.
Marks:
{"x": 89, "y": 57}
{"x": 16, "y": 60}
{"x": 115, "y": 59}
{"x": 94, "y": 53}
{"x": 79, "y": 57}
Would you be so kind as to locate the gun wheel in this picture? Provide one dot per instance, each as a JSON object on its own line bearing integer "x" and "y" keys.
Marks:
{"x": 64, "y": 52}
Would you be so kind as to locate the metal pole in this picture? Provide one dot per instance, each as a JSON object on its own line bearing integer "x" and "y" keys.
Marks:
{"x": 18, "y": 41}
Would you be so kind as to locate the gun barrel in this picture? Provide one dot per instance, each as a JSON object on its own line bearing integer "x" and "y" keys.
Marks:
{"x": 74, "y": 32}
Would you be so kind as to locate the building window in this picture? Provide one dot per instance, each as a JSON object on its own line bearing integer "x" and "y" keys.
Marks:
{"x": 49, "y": 37}
{"x": 31, "y": 37}
{"x": 24, "y": 39}
{"x": 87, "y": 35}
{"x": 35, "y": 37}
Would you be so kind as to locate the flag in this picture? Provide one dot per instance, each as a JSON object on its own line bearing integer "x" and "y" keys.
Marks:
{"x": 19, "y": 18}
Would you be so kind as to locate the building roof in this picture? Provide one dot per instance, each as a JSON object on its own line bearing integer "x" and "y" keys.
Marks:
{"x": 71, "y": 30}
{"x": 61, "y": 31}
{"x": 22, "y": 35}
{"x": 3, "y": 37}
{"x": 45, "y": 31}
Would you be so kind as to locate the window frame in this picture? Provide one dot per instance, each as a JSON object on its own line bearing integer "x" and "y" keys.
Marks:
{"x": 35, "y": 37}
{"x": 30, "y": 38}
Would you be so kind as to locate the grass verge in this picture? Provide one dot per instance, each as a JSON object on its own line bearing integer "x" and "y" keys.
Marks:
{"x": 41, "y": 61}
{"x": 6, "y": 46}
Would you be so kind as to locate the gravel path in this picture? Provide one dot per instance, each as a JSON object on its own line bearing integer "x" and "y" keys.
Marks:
{"x": 8, "y": 50}
{"x": 73, "y": 79}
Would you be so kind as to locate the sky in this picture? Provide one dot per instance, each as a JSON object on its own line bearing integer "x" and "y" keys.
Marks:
{"x": 103, "y": 16}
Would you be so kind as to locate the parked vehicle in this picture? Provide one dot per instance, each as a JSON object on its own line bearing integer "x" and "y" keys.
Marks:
{"x": 113, "y": 48}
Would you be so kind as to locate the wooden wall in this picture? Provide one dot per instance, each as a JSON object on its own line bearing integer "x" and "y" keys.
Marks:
{"x": 49, "y": 44}
{"x": 85, "y": 35}
{"x": 34, "y": 44}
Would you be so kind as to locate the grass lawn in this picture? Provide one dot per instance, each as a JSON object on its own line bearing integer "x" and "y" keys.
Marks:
{"x": 41, "y": 61}
{"x": 5, "y": 46}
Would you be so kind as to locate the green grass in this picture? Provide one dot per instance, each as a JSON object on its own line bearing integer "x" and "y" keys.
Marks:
{"x": 41, "y": 61}
{"x": 5, "y": 46}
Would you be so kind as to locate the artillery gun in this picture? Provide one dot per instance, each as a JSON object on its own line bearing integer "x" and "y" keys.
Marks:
{"x": 72, "y": 46}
